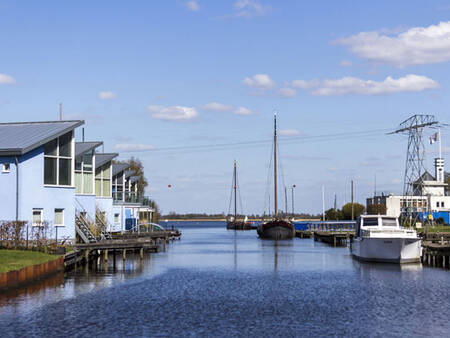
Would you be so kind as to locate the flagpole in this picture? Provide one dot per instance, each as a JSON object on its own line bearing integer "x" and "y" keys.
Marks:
{"x": 440, "y": 143}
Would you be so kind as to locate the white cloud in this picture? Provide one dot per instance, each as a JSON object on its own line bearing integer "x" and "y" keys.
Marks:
{"x": 107, "y": 95}
{"x": 173, "y": 113}
{"x": 352, "y": 85}
{"x": 243, "y": 111}
{"x": 289, "y": 132}
{"x": 418, "y": 45}
{"x": 261, "y": 82}
{"x": 192, "y": 6}
{"x": 249, "y": 8}
{"x": 301, "y": 84}
{"x": 217, "y": 107}
{"x": 287, "y": 92}
{"x": 7, "y": 79}
{"x": 130, "y": 147}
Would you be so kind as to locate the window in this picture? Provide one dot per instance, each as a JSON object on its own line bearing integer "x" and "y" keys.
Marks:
{"x": 103, "y": 180}
{"x": 437, "y": 204}
{"x": 37, "y": 217}
{"x": 442, "y": 204}
{"x": 6, "y": 167}
{"x": 58, "y": 161}
{"x": 389, "y": 222}
{"x": 116, "y": 218}
{"x": 370, "y": 221}
{"x": 84, "y": 173}
{"x": 59, "y": 217}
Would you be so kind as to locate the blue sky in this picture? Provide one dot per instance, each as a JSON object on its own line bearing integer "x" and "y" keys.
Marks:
{"x": 147, "y": 75}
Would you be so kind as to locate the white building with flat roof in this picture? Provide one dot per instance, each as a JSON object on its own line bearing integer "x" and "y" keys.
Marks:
{"x": 432, "y": 197}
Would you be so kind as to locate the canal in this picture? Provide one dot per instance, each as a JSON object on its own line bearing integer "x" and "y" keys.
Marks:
{"x": 215, "y": 282}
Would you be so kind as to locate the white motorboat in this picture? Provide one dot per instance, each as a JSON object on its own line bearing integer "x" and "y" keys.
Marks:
{"x": 380, "y": 238}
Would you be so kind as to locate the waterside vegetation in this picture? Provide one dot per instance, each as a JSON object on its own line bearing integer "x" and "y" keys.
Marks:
{"x": 11, "y": 260}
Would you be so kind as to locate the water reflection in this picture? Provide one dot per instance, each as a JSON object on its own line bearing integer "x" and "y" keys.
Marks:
{"x": 225, "y": 283}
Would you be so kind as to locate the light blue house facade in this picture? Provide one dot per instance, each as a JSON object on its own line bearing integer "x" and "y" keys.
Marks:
{"x": 103, "y": 189}
{"x": 37, "y": 167}
{"x": 129, "y": 207}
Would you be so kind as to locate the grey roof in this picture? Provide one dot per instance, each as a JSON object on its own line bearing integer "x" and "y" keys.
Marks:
{"x": 119, "y": 167}
{"x": 18, "y": 138}
{"x": 129, "y": 173}
{"x": 83, "y": 147}
{"x": 134, "y": 179}
{"x": 426, "y": 176}
{"x": 101, "y": 159}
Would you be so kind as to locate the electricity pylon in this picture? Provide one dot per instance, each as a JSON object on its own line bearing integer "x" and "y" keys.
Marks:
{"x": 415, "y": 162}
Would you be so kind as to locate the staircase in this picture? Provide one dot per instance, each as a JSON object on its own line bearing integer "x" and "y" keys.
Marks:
{"x": 102, "y": 224}
{"x": 82, "y": 228}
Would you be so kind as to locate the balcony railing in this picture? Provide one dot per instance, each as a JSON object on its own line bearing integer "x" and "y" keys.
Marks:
{"x": 132, "y": 197}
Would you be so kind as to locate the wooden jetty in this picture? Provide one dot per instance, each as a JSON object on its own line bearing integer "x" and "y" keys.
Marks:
{"x": 303, "y": 233}
{"x": 123, "y": 243}
{"x": 335, "y": 238}
{"x": 436, "y": 250}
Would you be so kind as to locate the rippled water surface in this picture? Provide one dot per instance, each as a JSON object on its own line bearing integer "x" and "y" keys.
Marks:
{"x": 215, "y": 282}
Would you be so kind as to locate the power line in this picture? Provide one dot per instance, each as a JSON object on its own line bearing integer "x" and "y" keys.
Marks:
{"x": 259, "y": 143}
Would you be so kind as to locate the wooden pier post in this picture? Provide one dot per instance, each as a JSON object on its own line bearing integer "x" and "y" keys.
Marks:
{"x": 105, "y": 252}
{"x": 334, "y": 240}
{"x": 141, "y": 253}
{"x": 124, "y": 254}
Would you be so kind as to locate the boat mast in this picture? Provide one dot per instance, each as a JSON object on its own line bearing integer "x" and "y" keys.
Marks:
{"x": 235, "y": 187}
{"x": 275, "y": 160}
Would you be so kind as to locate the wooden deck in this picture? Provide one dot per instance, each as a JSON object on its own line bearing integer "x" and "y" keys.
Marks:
{"x": 436, "y": 254}
{"x": 336, "y": 238}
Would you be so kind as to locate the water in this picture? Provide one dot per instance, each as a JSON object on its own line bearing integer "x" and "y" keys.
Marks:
{"x": 216, "y": 282}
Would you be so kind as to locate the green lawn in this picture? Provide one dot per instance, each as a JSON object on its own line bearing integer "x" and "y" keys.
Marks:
{"x": 436, "y": 228}
{"x": 18, "y": 259}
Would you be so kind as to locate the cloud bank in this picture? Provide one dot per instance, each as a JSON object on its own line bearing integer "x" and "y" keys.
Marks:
{"x": 107, "y": 95}
{"x": 416, "y": 46}
{"x": 222, "y": 108}
{"x": 7, "y": 79}
{"x": 130, "y": 147}
{"x": 172, "y": 113}
{"x": 353, "y": 85}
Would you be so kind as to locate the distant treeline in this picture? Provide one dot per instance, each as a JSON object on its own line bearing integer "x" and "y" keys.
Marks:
{"x": 174, "y": 215}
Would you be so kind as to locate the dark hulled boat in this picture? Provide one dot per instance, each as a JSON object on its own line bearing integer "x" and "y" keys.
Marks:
{"x": 276, "y": 228}
{"x": 232, "y": 221}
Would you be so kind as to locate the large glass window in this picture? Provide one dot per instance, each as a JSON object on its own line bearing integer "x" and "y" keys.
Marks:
{"x": 103, "y": 180}
{"x": 58, "y": 161}
{"x": 83, "y": 173}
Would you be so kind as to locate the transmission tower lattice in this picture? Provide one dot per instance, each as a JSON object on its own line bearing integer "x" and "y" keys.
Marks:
{"x": 415, "y": 162}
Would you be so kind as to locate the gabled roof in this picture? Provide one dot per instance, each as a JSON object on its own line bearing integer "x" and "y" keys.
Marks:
{"x": 18, "y": 138}
{"x": 119, "y": 167}
{"x": 426, "y": 176}
{"x": 83, "y": 147}
{"x": 101, "y": 159}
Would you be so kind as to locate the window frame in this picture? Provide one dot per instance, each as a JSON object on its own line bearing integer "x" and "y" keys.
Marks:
{"x": 83, "y": 172}
{"x": 4, "y": 170}
{"x": 118, "y": 218}
{"x": 32, "y": 217}
{"x": 102, "y": 179}
{"x": 54, "y": 219}
{"x": 58, "y": 157}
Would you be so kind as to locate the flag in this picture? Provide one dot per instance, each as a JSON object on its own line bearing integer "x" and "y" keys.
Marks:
{"x": 434, "y": 137}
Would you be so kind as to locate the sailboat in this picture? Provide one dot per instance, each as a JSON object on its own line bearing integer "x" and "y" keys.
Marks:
{"x": 276, "y": 228}
{"x": 232, "y": 221}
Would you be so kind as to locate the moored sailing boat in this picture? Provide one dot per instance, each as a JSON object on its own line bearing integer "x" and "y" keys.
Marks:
{"x": 232, "y": 221}
{"x": 276, "y": 228}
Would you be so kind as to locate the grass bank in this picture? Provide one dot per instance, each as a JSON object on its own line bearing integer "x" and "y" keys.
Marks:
{"x": 17, "y": 259}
